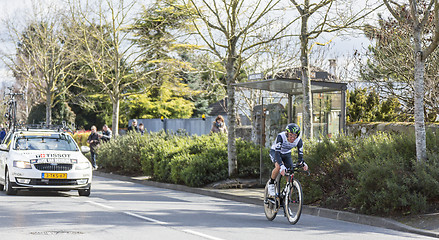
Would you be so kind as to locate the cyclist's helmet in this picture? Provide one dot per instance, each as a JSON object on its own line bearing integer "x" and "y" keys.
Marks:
{"x": 293, "y": 128}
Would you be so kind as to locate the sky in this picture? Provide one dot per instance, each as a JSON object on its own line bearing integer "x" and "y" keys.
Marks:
{"x": 341, "y": 47}
{"x": 10, "y": 9}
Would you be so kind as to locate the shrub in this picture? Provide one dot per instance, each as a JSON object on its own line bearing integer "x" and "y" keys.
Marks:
{"x": 158, "y": 152}
{"x": 330, "y": 169}
{"x": 179, "y": 162}
{"x": 205, "y": 168}
{"x": 373, "y": 175}
{"x": 248, "y": 157}
{"x": 122, "y": 154}
{"x": 81, "y": 138}
{"x": 205, "y": 161}
{"x": 196, "y": 160}
{"x": 151, "y": 152}
{"x": 387, "y": 188}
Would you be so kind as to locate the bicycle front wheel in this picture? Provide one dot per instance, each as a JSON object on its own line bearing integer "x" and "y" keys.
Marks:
{"x": 270, "y": 208}
{"x": 293, "y": 202}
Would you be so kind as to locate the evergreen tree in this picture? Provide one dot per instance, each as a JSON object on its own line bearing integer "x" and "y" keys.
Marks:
{"x": 365, "y": 105}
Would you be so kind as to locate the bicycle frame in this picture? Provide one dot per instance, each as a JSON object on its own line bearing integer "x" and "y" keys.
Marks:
{"x": 280, "y": 195}
{"x": 11, "y": 113}
{"x": 290, "y": 198}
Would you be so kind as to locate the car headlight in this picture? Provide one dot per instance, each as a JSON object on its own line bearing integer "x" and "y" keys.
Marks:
{"x": 22, "y": 164}
{"x": 82, "y": 166}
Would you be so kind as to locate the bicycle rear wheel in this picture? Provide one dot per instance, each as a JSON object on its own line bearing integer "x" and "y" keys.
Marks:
{"x": 270, "y": 208}
{"x": 293, "y": 202}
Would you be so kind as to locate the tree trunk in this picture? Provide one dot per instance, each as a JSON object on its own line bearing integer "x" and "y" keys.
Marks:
{"x": 421, "y": 142}
{"x": 48, "y": 107}
{"x": 115, "y": 116}
{"x": 306, "y": 80}
{"x": 231, "y": 116}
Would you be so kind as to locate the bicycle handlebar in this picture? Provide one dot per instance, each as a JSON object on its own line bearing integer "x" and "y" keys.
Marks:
{"x": 296, "y": 168}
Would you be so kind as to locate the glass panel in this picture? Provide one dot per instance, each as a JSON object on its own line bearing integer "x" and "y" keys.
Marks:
{"x": 334, "y": 115}
{"x": 326, "y": 114}
{"x": 60, "y": 143}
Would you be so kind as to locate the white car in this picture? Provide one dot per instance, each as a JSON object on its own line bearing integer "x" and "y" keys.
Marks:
{"x": 43, "y": 160}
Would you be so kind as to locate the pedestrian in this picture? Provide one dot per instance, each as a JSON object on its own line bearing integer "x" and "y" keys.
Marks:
{"x": 2, "y": 133}
{"x": 93, "y": 141}
{"x": 280, "y": 153}
{"x": 141, "y": 128}
{"x": 219, "y": 126}
{"x": 106, "y": 133}
{"x": 133, "y": 126}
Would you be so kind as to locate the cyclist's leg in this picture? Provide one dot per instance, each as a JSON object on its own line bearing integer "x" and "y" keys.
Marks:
{"x": 287, "y": 160}
{"x": 277, "y": 163}
{"x": 271, "y": 183}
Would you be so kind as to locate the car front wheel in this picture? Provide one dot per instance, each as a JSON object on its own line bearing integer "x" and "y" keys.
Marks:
{"x": 9, "y": 189}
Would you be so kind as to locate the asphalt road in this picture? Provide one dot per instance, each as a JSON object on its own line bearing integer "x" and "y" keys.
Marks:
{"x": 125, "y": 210}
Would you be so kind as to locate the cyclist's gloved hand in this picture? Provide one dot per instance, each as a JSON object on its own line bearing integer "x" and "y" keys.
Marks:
{"x": 282, "y": 170}
{"x": 305, "y": 166}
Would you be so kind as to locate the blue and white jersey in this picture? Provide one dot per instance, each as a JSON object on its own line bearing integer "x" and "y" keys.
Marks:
{"x": 283, "y": 146}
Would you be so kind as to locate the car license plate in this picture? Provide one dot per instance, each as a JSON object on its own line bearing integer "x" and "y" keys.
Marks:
{"x": 54, "y": 175}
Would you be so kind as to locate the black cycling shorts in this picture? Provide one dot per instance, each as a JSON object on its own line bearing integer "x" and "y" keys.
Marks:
{"x": 285, "y": 159}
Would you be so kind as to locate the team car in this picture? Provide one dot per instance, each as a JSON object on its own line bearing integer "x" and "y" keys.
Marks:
{"x": 43, "y": 160}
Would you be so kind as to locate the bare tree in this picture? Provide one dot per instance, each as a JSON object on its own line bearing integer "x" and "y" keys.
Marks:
{"x": 423, "y": 45}
{"x": 231, "y": 31}
{"x": 107, "y": 49}
{"x": 273, "y": 58}
{"x": 43, "y": 60}
{"x": 328, "y": 16}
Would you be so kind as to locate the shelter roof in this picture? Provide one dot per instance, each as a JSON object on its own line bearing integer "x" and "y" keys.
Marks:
{"x": 292, "y": 86}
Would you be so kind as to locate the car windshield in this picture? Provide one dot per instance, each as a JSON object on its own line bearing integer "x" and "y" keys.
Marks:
{"x": 60, "y": 142}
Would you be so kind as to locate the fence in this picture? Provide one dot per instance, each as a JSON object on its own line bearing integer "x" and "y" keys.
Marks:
{"x": 193, "y": 126}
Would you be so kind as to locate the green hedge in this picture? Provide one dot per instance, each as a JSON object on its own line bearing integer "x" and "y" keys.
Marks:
{"x": 373, "y": 175}
{"x": 121, "y": 154}
{"x": 190, "y": 160}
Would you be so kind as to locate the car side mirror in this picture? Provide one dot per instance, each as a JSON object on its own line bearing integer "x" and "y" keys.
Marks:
{"x": 4, "y": 147}
{"x": 84, "y": 149}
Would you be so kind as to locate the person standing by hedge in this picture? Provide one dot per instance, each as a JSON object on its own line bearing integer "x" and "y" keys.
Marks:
{"x": 219, "y": 126}
{"x": 141, "y": 129}
{"x": 133, "y": 126}
{"x": 106, "y": 133}
{"x": 280, "y": 153}
{"x": 2, "y": 133}
{"x": 93, "y": 141}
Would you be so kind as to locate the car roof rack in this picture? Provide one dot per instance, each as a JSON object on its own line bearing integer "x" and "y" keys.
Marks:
{"x": 42, "y": 126}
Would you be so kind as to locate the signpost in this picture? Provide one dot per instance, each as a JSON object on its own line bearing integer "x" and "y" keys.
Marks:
{"x": 255, "y": 76}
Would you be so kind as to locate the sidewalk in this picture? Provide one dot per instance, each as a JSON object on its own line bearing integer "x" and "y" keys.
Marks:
{"x": 427, "y": 225}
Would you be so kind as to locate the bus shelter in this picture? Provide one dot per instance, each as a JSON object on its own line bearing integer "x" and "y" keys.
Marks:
{"x": 328, "y": 101}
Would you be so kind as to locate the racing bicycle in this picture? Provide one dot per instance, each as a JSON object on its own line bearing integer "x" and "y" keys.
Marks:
{"x": 290, "y": 198}
{"x": 11, "y": 112}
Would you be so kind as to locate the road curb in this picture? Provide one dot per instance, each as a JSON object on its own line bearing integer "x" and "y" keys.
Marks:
{"x": 310, "y": 210}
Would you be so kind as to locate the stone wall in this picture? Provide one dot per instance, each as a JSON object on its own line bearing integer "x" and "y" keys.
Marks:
{"x": 273, "y": 123}
{"x": 244, "y": 132}
{"x": 355, "y": 129}
{"x": 364, "y": 129}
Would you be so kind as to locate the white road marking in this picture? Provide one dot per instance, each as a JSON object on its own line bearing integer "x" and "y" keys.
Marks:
{"x": 146, "y": 218}
{"x": 157, "y": 221}
{"x": 129, "y": 213}
{"x": 201, "y": 235}
{"x": 101, "y": 205}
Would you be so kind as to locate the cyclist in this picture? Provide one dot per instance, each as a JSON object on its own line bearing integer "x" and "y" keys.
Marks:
{"x": 280, "y": 153}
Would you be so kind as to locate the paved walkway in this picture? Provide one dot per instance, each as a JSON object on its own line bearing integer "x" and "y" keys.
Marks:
{"x": 427, "y": 225}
